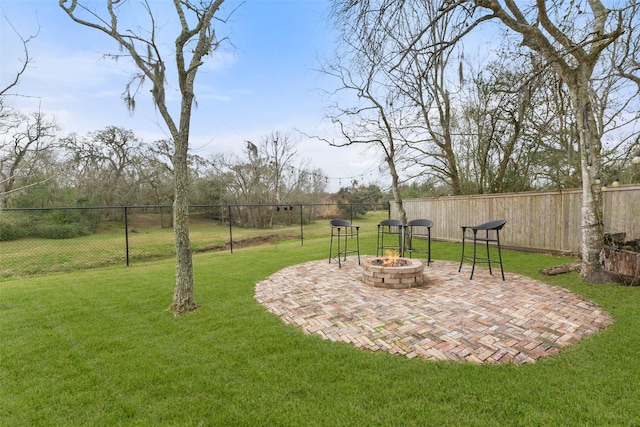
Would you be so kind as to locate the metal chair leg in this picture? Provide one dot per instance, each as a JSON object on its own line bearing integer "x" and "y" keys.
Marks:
{"x": 473, "y": 267}
{"x": 500, "y": 254}
{"x": 331, "y": 247}
{"x": 464, "y": 232}
{"x": 488, "y": 254}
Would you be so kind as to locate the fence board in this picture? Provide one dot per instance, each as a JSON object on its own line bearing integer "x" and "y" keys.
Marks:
{"x": 546, "y": 220}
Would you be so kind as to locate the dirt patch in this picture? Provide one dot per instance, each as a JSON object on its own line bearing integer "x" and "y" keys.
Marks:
{"x": 251, "y": 241}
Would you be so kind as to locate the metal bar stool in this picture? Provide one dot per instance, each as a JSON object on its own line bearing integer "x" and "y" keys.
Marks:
{"x": 420, "y": 229}
{"x": 389, "y": 227}
{"x": 341, "y": 228}
{"x": 492, "y": 226}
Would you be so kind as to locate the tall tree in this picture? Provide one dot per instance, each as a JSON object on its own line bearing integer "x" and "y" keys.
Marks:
{"x": 25, "y": 141}
{"x": 494, "y": 135}
{"x": 429, "y": 77}
{"x": 571, "y": 36}
{"x": 106, "y": 165}
{"x": 7, "y": 87}
{"x": 267, "y": 175}
{"x": 196, "y": 37}
{"x": 371, "y": 110}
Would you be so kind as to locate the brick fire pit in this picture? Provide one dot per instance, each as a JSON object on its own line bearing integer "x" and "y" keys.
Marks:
{"x": 404, "y": 273}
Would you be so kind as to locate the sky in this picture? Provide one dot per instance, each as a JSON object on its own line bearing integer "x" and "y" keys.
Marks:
{"x": 266, "y": 81}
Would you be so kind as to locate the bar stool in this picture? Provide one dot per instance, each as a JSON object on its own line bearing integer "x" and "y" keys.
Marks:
{"x": 492, "y": 226}
{"x": 389, "y": 227}
{"x": 420, "y": 229}
{"x": 341, "y": 228}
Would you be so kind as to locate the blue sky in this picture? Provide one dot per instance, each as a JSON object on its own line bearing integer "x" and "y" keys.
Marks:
{"x": 266, "y": 82}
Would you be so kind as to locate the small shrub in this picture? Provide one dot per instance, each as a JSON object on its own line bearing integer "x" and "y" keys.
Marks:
{"x": 59, "y": 231}
{"x": 10, "y": 231}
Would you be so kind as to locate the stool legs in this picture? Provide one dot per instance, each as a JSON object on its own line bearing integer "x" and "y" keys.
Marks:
{"x": 406, "y": 242}
{"x": 473, "y": 267}
{"x": 464, "y": 234}
{"x": 331, "y": 247}
{"x": 342, "y": 251}
{"x": 380, "y": 246}
{"x": 488, "y": 259}
{"x": 500, "y": 254}
{"x": 357, "y": 243}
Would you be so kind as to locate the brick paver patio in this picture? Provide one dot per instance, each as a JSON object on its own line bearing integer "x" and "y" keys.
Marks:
{"x": 484, "y": 320}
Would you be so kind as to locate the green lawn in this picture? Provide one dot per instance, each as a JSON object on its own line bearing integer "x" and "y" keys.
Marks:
{"x": 97, "y": 348}
{"x": 108, "y": 247}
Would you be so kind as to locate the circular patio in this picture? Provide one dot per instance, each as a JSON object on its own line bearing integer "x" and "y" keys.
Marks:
{"x": 484, "y": 320}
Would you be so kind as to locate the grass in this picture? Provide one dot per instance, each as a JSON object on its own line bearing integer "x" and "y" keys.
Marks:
{"x": 96, "y": 348}
{"x": 36, "y": 256}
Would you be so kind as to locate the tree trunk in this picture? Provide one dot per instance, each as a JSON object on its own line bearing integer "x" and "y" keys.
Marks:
{"x": 183, "y": 299}
{"x": 592, "y": 213}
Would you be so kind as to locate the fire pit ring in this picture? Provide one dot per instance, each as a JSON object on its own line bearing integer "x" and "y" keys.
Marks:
{"x": 404, "y": 273}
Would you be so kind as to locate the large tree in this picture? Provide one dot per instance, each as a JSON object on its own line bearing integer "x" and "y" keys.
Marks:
{"x": 196, "y": 38}
{"x": 105, "y": 165}
{"x": 267, "y": 174}
{"x": 570, "y": 36}
{"x": 370, "y": 110}
{"x": 25, "y": 142}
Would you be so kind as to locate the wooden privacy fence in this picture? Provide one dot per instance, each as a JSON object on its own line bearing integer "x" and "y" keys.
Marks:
{"x": 541, "y": 221}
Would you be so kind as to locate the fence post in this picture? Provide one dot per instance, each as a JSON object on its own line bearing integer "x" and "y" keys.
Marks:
{"x": 230, "y": 228}
{"x": 301, "y": 228}
{"x": 126, "y": 232}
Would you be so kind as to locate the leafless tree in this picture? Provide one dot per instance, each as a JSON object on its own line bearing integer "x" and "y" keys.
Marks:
{"x": 496, "y": 144}
{"x": 6, "y": 88}
{"x": 25, "y": 141}
{"x": 369, "y": 108}
{"x": 267, "y": 174}
{"x": 570, "y": 37}
{"x": 196, "y": 38}
{"x": 429, "y": 75}
{"x": 105, "y": 165}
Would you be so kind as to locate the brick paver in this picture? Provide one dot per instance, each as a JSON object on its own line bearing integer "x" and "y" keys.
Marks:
{"x": 484, "y": 320}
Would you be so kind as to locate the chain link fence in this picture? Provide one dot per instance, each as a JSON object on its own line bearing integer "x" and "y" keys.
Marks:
{"x": 44, "y": 240}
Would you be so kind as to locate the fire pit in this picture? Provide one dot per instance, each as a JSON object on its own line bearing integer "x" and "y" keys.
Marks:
{"x": 392, "y": 272}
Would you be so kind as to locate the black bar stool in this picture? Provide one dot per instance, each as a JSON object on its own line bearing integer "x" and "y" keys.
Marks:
{"x": 492, "y": 226}
{"x": 420, "y": 229}
{"x": 343, "y": 229}
{"x": 389, "y": 227}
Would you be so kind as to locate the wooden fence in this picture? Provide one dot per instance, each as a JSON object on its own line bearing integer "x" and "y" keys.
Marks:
{"x": 541, "y": 221}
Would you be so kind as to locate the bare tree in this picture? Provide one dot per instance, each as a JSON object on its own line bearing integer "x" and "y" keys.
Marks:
{"x": 196, "y": 38}
{"x": 371, "y": 109}
{"x": 6, "y": 88}
{"x": 429, "y": 77}
{"x": 570, "y": 36}
{"x": 267, "y": 174}
{"x": 251, "y": 182}
{"x": 25, "y": 141}
{"x": 495, "y": 143}
{"x": 156, "y": 185}
{"x": 105, "y": 165}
